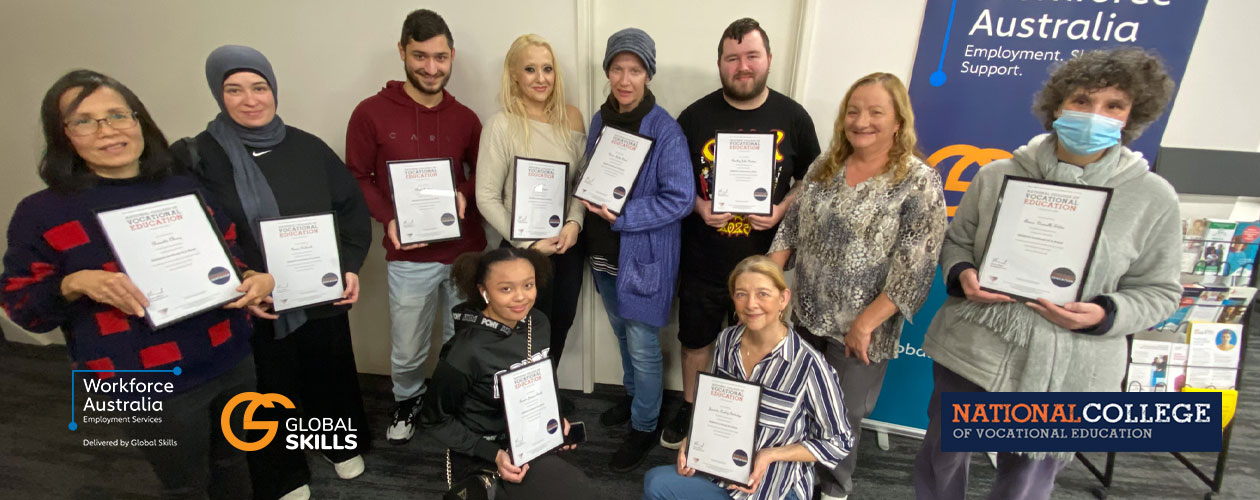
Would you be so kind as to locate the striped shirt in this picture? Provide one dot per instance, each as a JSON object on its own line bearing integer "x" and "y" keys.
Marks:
{"x": 800, "y": 403}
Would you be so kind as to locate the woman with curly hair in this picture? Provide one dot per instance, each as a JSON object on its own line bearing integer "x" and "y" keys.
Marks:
{"x": 1092, "y": 106}
{"x": 865, "y": 232}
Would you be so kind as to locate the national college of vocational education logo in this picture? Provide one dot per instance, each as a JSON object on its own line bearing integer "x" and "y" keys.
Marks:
{"x": 330, "y": 280}
{"x": 760, "y": 194}
{"x": 1062, "y": 277}
{"x": 740, "y": 458}
{"x": 448, "y": 219}
{"x": 219, "y": 275}
{"x": 552, "y": 426}
{"x": 255, "y": 400}
{"x": 619, "y": 192}
{"x": 554, "y": 221}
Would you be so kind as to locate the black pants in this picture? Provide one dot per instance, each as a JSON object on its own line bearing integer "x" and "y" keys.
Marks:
{"x": 550, "y": 477}
{"x": 314, "y": 367}
{"x": 203, "y": 464}
{"x": 558, "y": 300}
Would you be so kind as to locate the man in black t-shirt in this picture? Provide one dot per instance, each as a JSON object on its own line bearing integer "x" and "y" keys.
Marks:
{"x": 713, "y": 244}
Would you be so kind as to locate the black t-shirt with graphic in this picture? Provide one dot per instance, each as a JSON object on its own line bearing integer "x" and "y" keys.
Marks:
{"x": 711, "y": 253}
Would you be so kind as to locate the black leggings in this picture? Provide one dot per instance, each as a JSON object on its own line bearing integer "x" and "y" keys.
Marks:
{"x": 550, "y": 477}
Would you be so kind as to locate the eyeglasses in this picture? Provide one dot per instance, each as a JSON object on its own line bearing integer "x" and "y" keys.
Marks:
{"x": 87, "y": 126}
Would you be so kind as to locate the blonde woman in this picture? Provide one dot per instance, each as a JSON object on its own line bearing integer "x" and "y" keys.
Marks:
{"x": 535, "y": 122}
{"x": 865, "y": 231}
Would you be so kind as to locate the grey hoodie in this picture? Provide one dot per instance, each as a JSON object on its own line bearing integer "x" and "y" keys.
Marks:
{"x": 1008, "y": 347}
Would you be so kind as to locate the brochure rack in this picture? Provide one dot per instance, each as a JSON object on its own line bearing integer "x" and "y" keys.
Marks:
{"x": 1184, "y": 168}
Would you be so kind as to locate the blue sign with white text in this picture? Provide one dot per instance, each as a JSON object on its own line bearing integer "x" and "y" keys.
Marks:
{"x": 1080, "y": 421}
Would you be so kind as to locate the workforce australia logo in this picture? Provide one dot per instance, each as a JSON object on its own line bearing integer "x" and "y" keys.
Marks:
{"x": 303, "y": 433}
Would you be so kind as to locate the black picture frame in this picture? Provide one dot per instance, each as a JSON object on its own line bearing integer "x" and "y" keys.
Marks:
{"x": 393, "y": 195}
{"x": 498, "y": 379}
{"x": 262, "y": 245}
{"x": 516, "y": 183}
{"x": 752, "y": 446}
{"x": 716, "y": 172}
{"x": 633, "y": 184}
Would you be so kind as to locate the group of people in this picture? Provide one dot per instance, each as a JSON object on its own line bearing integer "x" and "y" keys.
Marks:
{"x": 863, "y": 223}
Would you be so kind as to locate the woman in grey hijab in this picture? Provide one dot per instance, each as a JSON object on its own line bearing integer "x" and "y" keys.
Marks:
{"x": 256, "y": 167}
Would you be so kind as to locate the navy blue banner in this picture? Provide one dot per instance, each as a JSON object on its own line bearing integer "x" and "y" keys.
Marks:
{"x": 1080, "y": 421}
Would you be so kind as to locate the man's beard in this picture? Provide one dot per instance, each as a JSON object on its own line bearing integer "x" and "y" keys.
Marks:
{"x": 415, "y": 82}
{"x": 758, "y": 85}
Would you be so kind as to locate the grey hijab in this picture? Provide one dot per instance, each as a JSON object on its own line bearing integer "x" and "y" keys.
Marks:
{"x": 257, "y": 199}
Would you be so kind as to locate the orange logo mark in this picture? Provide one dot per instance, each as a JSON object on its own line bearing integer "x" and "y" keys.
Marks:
{"x": 255, "y": 400}
{"x": 968, "y": 155}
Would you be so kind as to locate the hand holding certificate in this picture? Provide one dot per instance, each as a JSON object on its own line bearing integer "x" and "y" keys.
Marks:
{"x": 424, "y": 200}
{"x": 302, "y": 255}
{"x": 724, "y": 428}
{"x": 538, "y": 198}
{"x": 1042, "y": 239}
{"x": 532, "y": 407}
{"x": 174, "y": 256}
{"x": 743, "y": 173}
{"x": 614, "y": 165}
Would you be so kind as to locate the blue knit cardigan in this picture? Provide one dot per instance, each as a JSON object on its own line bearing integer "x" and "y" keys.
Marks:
{"x": 650, "y": 223}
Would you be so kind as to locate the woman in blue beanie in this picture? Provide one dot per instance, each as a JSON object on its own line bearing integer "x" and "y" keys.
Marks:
{"x": 634, "y": 254}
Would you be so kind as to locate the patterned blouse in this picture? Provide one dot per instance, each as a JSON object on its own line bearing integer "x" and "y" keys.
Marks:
{"x": 851, "y": 243}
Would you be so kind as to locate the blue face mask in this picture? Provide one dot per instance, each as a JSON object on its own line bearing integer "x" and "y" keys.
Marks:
{"x": 1087, "y": 133}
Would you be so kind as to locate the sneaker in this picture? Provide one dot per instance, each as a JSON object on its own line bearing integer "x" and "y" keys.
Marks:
{"x": 633, "y": 450}
{"x": 348, "y": 469}
{"x": 404, "y": 424}
{"x": 824, "y": 496}
{"x": 618, "y": 414}
{"x": 301, "y": 493}
{"x": 676, "y": 431}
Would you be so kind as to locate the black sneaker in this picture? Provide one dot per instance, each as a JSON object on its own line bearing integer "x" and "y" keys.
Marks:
{"x": 404, "y": 423}
{"x": 633, "y": 450}
{"x": 617, "y": 415}
{"x": 676, "y": 431}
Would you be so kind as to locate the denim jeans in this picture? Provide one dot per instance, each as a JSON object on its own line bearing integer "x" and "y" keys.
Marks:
{"x": 664, "y": 483}
{"x": 641, "y": 359}
{"x": 415, "y": 292}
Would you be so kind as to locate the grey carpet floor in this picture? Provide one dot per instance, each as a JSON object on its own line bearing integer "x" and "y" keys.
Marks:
{"x": 40, "y": 458}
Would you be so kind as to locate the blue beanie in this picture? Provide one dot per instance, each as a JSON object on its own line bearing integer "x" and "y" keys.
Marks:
{"x": 634, "y": 41}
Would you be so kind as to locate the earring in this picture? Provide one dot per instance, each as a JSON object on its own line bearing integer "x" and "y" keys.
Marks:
{"x": 484, "y": 298}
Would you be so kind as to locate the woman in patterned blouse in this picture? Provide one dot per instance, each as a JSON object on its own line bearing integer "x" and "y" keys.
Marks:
{"x": 865, "y": 233}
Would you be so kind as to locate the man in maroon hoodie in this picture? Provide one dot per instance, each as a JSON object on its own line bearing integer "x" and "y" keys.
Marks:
{"x": 408, "y": 120}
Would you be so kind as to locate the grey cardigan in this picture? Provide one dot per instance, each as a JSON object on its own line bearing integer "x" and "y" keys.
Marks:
{"x": 1008, "y": 347}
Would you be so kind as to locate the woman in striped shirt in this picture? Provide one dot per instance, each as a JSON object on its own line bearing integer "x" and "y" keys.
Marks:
{"x": 801, "y": 420}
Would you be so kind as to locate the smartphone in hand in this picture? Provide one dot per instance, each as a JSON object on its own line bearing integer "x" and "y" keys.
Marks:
{"x": 577, "y": 433}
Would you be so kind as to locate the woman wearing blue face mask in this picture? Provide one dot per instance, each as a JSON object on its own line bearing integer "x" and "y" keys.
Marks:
{"x": 1092, "y": 105}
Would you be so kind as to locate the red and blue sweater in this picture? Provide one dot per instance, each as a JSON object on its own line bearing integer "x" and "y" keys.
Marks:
{"x": 53, "y": 235}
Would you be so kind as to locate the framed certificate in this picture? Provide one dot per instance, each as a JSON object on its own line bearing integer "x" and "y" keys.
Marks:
{"x": 613, "y": 168}
{"x": 532, "y": 407}
{"x": 743, "y": 173}
{"x": 302, "y": 255}
{"x": 424, "y": 200}
{"x": 175, "y": 256}
{"x": 538, "y": 198}
{"x": 723, "y": 435}
{"x": 1042, "y": 239}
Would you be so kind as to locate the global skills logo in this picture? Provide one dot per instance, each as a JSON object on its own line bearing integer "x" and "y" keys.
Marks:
{"x": 300, "y": 433}
{"x": 1080, "y": 421}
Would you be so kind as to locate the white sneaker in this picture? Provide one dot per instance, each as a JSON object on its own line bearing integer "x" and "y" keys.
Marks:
{"x": 301, "y": 493}
{"x": 824, "y": 496}
{"x": 348, "y": 469}
{"x": 403, "y": 426}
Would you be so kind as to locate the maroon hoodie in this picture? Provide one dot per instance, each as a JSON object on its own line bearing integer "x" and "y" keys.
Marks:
{"x": 391, "y": 126}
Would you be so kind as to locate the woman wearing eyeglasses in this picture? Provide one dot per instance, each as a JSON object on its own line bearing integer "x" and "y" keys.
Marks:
{"x": 102, "y": 149}
{"x": 257, "y": 167}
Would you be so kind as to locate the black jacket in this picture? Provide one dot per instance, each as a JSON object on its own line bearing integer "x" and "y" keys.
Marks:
{"x": 306, "y": 177}
{"x": 459, "y": 408}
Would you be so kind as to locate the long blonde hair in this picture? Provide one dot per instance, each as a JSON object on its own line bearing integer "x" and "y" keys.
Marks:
{"x": 905, "y": 141}
{"x": 554, "y": 109}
